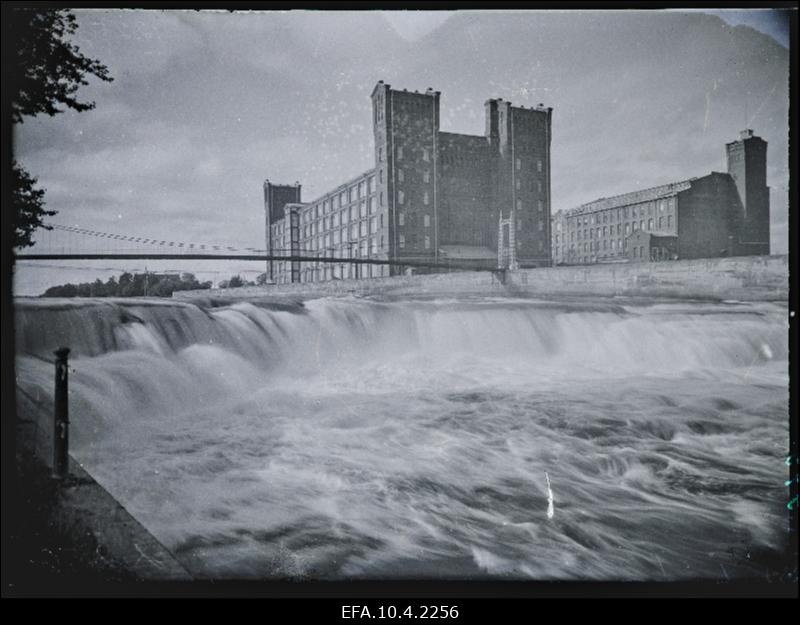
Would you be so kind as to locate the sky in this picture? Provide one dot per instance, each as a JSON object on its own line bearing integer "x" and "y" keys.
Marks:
{"x": 207, "y": 105}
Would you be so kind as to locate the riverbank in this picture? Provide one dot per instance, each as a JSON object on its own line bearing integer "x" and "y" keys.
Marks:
{"x": 745, "y": 278}
{"x": 70, "y": 537}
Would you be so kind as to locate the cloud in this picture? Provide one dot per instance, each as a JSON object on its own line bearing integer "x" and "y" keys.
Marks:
{"x": 205, "y": 106}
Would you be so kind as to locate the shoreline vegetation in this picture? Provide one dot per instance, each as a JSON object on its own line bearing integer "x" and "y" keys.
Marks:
{"x": 144, "y": 284}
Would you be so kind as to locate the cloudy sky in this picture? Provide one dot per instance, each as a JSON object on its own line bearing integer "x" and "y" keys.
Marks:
{"x": 206, "y": 105}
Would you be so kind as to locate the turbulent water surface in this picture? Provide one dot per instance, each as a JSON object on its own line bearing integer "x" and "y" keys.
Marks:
{"x": 357, "y": 438}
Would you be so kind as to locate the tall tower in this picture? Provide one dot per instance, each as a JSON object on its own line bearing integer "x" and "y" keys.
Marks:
{"x": 406, "y": 128}
{"x": 276, "y": 196}
{"x": 747, "y": 165}
{"x": 520, "y": 143}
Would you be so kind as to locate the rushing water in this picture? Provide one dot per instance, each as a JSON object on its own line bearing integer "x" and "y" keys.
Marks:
{"x": 357, "y": 438}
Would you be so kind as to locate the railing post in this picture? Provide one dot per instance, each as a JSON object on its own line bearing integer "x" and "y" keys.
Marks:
{"x": 61, "y": 415}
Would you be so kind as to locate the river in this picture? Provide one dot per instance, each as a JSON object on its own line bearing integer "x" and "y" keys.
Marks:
{"x": 367, "y": 438}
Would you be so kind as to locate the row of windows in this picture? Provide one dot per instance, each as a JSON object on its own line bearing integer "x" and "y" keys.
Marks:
{"x": 606, "y": 231}
{"x": 341, "y": 218}
{"x": 618, "y": 214}
{"x": 401, "y": 175}
{"x": 401, "y": 241}
{"x": 399, "y": 153}
{"x": 535, "y": 185}
{"x": 401, "y": 219}
{"x": 521, "y": 224}
{"x": 401, "y": 197}
{"x": 342, "y": 272}
{"x": 347, "y": 196}
{"x": 538, "y": 164}
{"x": 539, "y": 205}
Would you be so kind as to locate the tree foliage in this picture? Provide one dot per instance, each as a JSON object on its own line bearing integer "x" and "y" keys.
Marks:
{"x": 131, "y": 285}
{"x": 43, "y": 74}
{"x": 28, "y": 205}
{"x": 48, "y": 70}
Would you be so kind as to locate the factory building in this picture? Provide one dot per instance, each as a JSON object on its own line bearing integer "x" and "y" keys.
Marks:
{"x": 432, "y": 196}
{"x": 720, "y": 214}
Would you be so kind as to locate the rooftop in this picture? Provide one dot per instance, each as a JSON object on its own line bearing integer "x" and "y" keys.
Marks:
{"x": 632, "y": 197}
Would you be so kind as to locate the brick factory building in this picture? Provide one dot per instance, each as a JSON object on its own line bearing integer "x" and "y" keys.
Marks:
{"x": 721, "y": 214}
{"x": 432, "y": 196}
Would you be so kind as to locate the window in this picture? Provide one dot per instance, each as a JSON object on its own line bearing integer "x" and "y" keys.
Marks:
{"x": 373, "y": 245}
{"x": 382, "y": 241}
{"x": 362, "y": 209}
{"x": 402, "y": 241}
{"x": 519, "y": 205}
{"x": 541, "y": 205}
{"x": 363, "y": 228}
{"x": 373, "y": 225}
{"x": 605, "y": 231}
{"x": 425, "y": 198}
{"x": 371, "y": 205}
{"x": 539, "y": 186}
{"x": 426, "y": 176}
{"x": 353, "y": 231}
{"x": 380, "y": 175}
{"x": 425, "y": 156}
{"x": 381, "y": 221}
{"x": 427, "y": 221}
{"x": 612, "y": 244}
{"x": 539, "y": 165}
{"x": 518, "y": 183}
{"x": 371, "y": 184}
{"x": 641, "y": 225}
{"x": 352, "y": 213}
{"x": 342, "y": 199}
{"x": 669, "y": 221}
{"x": 541, "y": 225}
{"x": 400, "y": 196}
{"x": 519, "y": 165}
{"x": 380, "y": 198}
{"x": 362, "y": 188}
{"x": 351, "y": 194}
{"x": 427, "y": 243}
{"x": 401, "y": 219}
{"x": 400, "y": 176}
{"x": 399, "y": 152}
{"x": 380, "y": 157}
{"x": 619, "y": 229}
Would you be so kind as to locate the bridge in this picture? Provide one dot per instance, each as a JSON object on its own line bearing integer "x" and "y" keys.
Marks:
{"x": 60, "y": 242}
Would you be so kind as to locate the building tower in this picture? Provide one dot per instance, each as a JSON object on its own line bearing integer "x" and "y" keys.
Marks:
{"x": 406, "y": 128}
{"x": 520, "y": 178}
{"x": 276, "y": 197}
{"x": 747, "y": 165}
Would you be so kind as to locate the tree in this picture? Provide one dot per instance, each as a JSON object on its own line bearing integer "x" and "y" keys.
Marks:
{"x": 28, "y": 206}
{"x": 45, "y": 72}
